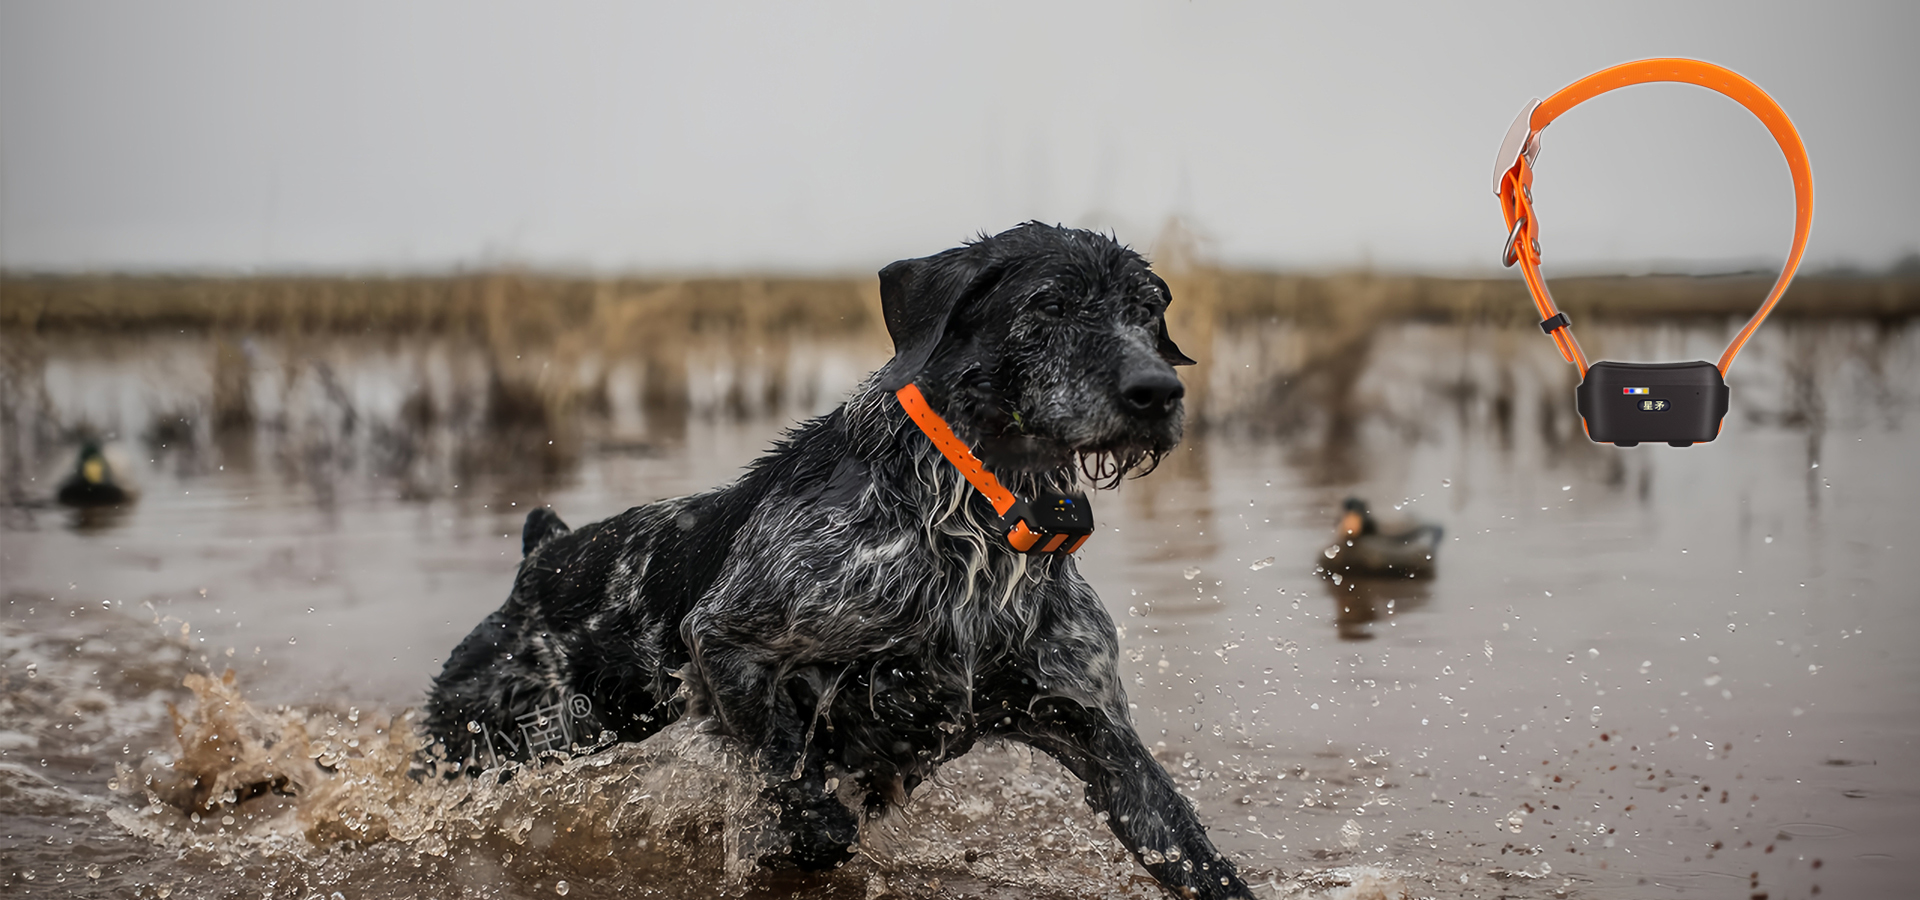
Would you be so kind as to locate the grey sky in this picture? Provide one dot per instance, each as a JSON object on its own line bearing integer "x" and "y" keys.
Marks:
{"x": 839, "y": 136}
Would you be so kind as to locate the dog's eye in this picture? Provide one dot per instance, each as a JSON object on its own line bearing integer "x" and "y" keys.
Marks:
{"x": 1049, "y": 305}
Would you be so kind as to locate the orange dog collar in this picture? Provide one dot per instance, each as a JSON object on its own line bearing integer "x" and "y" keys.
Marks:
{"x": 1053, "y": 522}
{"x": 1513, "y": 180}
{"x": 1626, "y": 403}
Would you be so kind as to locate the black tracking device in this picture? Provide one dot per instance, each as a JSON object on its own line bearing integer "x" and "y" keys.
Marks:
{"x": 1050, "y": 521}
{"x": 1677, "y": 403}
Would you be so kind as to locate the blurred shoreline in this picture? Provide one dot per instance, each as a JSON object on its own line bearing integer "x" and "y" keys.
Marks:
{"x": 484, "y": 302}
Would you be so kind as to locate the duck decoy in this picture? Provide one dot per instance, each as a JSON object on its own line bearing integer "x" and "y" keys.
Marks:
{"x": 1365, "y": 546}
{"x": 92, "y": 482}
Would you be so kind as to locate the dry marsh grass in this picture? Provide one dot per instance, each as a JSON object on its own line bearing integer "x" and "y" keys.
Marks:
{"x": 535, "y": 308}
{"x": 528, "y": 321}
{"x": 520, "y": 374}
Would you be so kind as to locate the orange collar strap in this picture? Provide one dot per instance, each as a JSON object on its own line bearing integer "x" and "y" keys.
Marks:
{"x": 1513, "y": 180}
{"x": 1052, "y": 522}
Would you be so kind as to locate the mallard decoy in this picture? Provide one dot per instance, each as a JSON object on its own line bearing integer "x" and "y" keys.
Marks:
{"x": 1363, "y": 546}
{"x": 91, "y": 483}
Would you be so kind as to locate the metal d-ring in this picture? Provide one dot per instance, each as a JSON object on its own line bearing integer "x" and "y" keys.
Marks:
{"x": 1507, "y": 254}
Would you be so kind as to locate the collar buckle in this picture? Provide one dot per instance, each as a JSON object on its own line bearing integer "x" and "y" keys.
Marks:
{"x": 1521, "y": 140}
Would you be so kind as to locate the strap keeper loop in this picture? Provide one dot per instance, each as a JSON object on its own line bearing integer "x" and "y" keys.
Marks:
{"x": 1556, "y": 323}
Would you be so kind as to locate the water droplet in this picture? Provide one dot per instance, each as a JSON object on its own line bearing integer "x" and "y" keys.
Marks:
{"x": 1594, "y": 716}
{"x": 33, "y": 670}
{"x": 1336, "y": 578}
{"x": 1769, "y": 539}
{"x": 1191, "y": 572}
{"x": 293, "y": 640}
{"x": 1446, "y": 482}
{"x": 473, "y": 727}
{"x": 1261, "y": 564}
{"x": 106, "y": 604}
{"x": 1446, "y": 670}
{"x": 1515, "y": 821}
{"x": 1593, "y": 653}
{"x": 1566, "y": 487}
{"x": 93, "y": 872}
{"x": 1713, "y": 679}
{"x": 1487, "y": 648}
{"x": 560, "y": 887}
{"x": 1332, "y": 551}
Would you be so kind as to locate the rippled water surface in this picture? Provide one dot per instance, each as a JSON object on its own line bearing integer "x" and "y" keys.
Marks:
{"x": 1635, "y": 673}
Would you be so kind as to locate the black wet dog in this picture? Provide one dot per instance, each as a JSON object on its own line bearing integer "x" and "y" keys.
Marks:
{"x": 850, "y": 608}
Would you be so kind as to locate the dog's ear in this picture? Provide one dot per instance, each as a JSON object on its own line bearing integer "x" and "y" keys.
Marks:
{"x": 918, "y": 298}
{"x": 1169, "y": 351}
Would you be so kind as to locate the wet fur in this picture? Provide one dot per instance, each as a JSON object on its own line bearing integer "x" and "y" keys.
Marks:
{"x": 848, "y": 608}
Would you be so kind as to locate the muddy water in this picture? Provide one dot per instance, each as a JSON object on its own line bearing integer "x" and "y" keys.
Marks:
{"x": 1635, "y": 673}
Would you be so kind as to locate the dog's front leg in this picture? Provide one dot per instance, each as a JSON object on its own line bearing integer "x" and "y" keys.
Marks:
{"x": 774, "y": 715}
{"x": 1143, "y": 807}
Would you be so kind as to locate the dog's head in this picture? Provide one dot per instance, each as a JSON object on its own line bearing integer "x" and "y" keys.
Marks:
{"x": 1048, "y": 346}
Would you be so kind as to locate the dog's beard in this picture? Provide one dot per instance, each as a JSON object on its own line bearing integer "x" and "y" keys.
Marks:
{"x": 1131, "y": 451}
{"x": 1105, "y": 469}
{"x": 1099, "y": 467}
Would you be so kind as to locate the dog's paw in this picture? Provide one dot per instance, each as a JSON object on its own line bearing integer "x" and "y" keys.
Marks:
{"x": 820, "y": 830}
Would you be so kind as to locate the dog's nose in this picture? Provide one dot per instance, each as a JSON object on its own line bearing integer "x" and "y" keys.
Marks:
{"x": 1151, "y": 392}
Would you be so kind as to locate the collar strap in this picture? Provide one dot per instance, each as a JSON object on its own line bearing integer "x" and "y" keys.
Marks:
{"x": 1054, "y": 521}
{"x": 1513, "y": 180}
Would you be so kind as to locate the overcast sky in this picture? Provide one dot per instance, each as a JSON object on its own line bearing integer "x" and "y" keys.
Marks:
{"x": 835, "y": 137}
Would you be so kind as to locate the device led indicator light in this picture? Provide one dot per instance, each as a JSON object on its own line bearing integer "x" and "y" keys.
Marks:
{"x": 1636, "y": 390}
